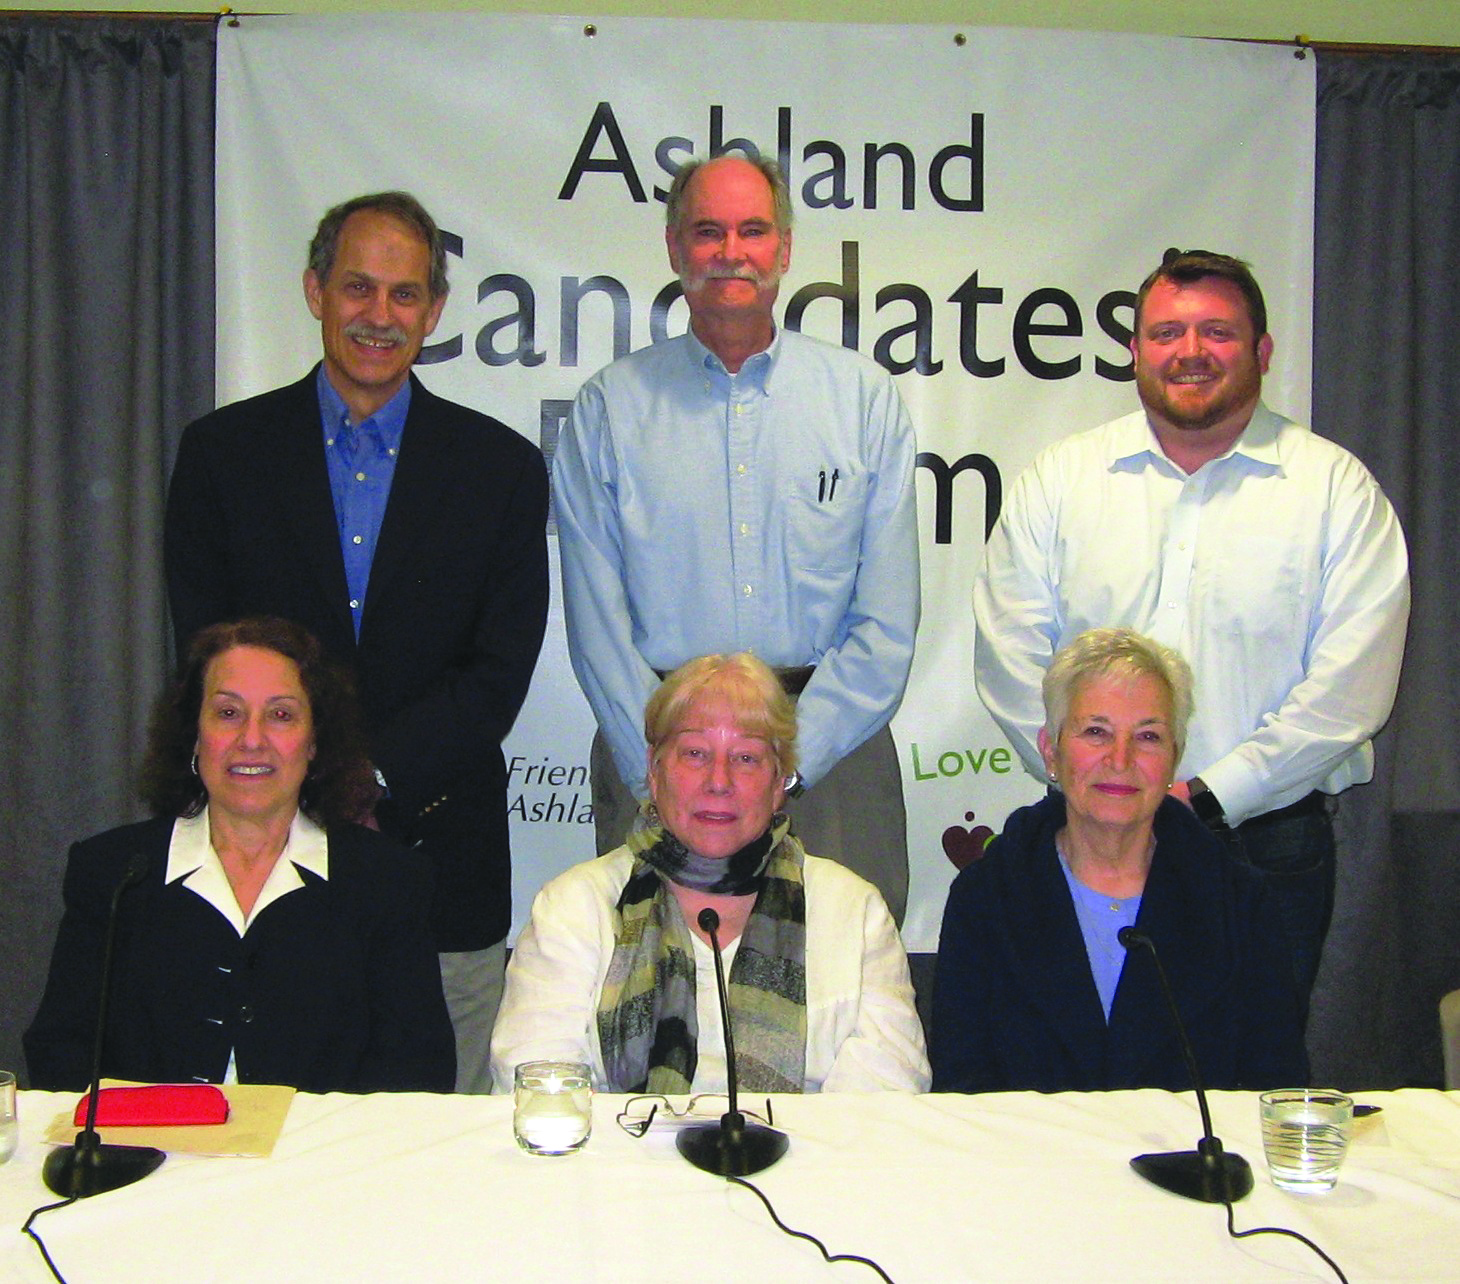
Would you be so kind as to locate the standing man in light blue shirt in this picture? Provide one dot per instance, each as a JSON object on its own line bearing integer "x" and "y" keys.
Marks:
{"x": 746, "y": 487}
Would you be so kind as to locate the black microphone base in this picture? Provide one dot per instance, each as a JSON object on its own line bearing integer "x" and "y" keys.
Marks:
{"x": 94, "y": 1170}
{"x": 732, "y": 1152}
{"x": 1215, "y": 1179}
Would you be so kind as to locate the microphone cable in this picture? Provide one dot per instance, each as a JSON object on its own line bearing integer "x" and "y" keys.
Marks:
{"x": 806, "y": 1235}
{"x": 40, "y": 1243}
{"x": 791, "y": 1231}
{"x": 1282, "y": 1230}
{"x": 1134, "y": 938}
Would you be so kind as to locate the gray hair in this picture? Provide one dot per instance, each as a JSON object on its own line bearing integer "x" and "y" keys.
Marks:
{"x": 399, "y": 205}
{"x": 769, "y": 170}
{"x": 1118, "y": 653}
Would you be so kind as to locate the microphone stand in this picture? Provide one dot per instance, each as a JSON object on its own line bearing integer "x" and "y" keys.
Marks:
{"x": 734, "y": 1147}
{"x": 1207, "y": 1173}
{"x": 88, "y": 1167}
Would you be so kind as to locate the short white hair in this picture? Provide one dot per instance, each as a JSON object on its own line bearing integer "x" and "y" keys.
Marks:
{"x": 1120, "y": 653}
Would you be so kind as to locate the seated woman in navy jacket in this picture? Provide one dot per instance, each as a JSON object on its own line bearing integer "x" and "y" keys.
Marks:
{"x": 269, "y": 940}
{"x": 1034, "y": 989}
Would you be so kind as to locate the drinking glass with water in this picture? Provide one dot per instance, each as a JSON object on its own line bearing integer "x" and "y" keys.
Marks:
{"x": 1305, "y": 1134}
{"x": 553, "y": 1106}
{"x": 9, "y": 1123}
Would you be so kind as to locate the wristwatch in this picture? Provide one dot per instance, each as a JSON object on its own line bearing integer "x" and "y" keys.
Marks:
{"x": 1206, "y": 804}
{"x": 795, "y": 786}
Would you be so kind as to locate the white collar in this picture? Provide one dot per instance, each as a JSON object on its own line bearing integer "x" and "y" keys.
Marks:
{"x": 1135, "y": 442}
{"x": 190, "y": 857}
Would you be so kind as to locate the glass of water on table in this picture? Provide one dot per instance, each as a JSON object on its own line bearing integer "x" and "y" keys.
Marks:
{"x": 1305, "y": 1134}
{"x": 552, "y": 1111}
{"x": 9, "y": 1123}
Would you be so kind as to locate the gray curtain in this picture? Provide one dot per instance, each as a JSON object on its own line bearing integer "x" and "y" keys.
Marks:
{"x": 1387, "y": 385}
{"x": 106, "y": 206}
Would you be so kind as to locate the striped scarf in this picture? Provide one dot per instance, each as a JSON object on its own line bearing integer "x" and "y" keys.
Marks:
{"x": 647, "y": 1026}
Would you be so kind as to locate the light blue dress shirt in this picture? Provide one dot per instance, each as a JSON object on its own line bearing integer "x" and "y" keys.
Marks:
{"x": 771, "y": 511}
{"x": 361, "y": 486}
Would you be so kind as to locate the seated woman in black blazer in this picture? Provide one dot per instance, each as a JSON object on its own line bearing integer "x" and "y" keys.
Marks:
{"x": 270, "y": 940}
{"x": 1034, "y": 990}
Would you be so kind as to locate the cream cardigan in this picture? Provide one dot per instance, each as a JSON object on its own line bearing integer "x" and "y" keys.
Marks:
{"x": 862, "y": 1030}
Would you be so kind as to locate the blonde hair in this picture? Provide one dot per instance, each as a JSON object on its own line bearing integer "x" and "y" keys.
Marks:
{"x": 1118, "y": 653}
{"x": 751, "y": 691}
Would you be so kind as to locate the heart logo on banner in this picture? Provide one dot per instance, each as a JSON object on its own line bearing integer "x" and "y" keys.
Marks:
{"x": 964, "y": 846}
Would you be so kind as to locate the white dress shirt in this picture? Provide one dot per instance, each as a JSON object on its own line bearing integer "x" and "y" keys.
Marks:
{"x": 1278, "y": 570}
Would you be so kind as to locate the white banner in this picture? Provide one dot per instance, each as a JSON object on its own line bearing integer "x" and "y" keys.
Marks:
{"x": 974, "y": 210}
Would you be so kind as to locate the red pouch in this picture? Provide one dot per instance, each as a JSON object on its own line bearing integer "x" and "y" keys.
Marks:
{"x": 159, "y": 1105}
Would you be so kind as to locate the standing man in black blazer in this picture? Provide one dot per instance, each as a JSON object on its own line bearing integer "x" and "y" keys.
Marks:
{"x": 409, "y": 534}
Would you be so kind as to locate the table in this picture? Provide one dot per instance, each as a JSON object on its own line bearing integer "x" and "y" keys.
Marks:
{"x": 1012, "y": 1186}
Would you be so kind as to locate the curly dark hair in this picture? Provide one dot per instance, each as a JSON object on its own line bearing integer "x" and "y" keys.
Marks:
{"x": 340, "y": 785}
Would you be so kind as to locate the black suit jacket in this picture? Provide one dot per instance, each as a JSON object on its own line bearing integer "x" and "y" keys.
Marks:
{"x": 1015, "y": 1005}
{"x": 335, "y": 987}
{"x": 454, "y": 613}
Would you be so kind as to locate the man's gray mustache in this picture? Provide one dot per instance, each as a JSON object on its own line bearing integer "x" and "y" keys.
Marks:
{"x": 384, "y": 333}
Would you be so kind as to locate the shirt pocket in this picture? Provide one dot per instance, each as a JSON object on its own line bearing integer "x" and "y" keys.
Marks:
{"x": 1261, "y": 588}
{"x": 824, "y": 520}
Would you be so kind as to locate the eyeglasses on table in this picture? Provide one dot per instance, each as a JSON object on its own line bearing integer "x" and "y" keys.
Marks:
{"x": 639, "y": 1112}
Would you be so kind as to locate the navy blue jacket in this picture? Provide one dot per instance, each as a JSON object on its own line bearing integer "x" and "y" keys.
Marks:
{"x": 454, "y": 614}
{"x": 1015, "y": 1005}
{"x": 335, "y": 987}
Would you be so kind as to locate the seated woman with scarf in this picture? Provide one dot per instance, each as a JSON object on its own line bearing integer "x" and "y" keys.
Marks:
{"x": 613, "y": 969}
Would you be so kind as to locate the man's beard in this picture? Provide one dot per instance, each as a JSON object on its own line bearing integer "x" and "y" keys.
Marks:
{"x": 1241, "y": 387}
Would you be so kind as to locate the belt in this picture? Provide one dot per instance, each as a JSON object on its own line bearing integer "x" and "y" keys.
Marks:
{"x": 1315, "y": 804}
{"x": 794, "y": 679}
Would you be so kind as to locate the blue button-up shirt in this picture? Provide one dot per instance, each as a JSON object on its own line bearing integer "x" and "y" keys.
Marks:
{"x": 361, "y": 487}
{"x": 772, "y": 510}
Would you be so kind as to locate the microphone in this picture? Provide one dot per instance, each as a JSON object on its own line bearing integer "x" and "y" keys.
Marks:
{"x": 1207, "y": 1173}
{"x": 87, "y": 1167}
{"x": 734, "y": 1147}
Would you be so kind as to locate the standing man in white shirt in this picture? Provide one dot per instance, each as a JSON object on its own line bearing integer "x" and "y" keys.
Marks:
{"x": 746, "y": 487}
{"x": 1266, "y": 555}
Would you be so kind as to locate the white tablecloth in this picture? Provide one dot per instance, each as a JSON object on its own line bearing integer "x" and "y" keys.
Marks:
{"x": 1005, "y": 1187}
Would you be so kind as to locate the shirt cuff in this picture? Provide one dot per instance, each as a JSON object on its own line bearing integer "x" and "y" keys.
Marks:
{"x": 1241, "y": 794}
{"x": 814, "y": 758}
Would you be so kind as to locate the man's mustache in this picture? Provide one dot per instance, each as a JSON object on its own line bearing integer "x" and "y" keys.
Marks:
{"x": 380, "y": 333}
{"x": 695, "y": 280}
